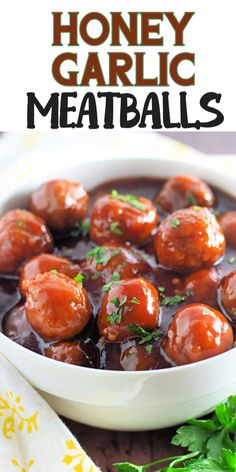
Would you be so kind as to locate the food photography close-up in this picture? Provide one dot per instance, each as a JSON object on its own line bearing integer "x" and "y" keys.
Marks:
{"x": 118, "y": 298}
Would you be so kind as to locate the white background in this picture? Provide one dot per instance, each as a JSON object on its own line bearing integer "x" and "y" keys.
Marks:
{"x": 26, "y": 55}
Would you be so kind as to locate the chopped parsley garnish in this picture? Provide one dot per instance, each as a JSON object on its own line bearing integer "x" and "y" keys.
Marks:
{"x": 175, "y": 223}
{"x": 190, "y": 198}
{"x": 99, "y": 254}
{"x": 231, "y": 259}
{"x": 173, "y": 300}
{"x": 116, "y": 316}
{"x": 115, "y": 280}
{"x": 135, "y": 300}
{"x": 79, "y": 278}
{"x": 96, "y": 275}
{"x": 81, "y": 229}
{"x": 132, "y": 199}
{"x": 115, "y": 228}
{"x": 149, "y": 348}
{"x": 205, "y": 312}
{"x": 196, "y": 208}
{"x": 144, "y": 290}
{"x": 161, "y": 289}
{"x": 54, "y": 271}
{"x": 146, "y": 336}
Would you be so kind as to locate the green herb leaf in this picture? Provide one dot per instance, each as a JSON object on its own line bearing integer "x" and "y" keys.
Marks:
{"x": 149, "y": 348}
{"x": 79, "y": 278}
{"x": 144, "y": 290}
{"x": 116, "y": 316}
{"x": 54, "y": 271}
{"x": 132, "y": 199}
{"x": 175, "y": 223}
{"x": 161, "y": 289}
{"x": 146, "y": 336}
{"x": 190, "y": 198}
{"x": 115, "y": 280}
{"x": 99, "y": 254}
{"x": 115, "y": 228}
{"x": 81, "y": 229}
{"x": 231, "y": 259}
{"x": 166, "y": 301}
{"x": 135, "y": 300}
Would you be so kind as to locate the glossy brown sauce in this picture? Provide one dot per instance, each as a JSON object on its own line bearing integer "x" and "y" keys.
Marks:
{"x": 109, "y": 354}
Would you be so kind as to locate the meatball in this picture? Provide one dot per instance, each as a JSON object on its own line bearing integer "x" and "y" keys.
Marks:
{"x": 47, "y": 263}
{"x": 61, "y": 203}
{"x": 136, "y": 356}
{"x": 17, "y": 328}
{"x": 79, "y": 352}
{"x": 130, "y": 302}
{"x": 197, "y": 332}
{"x": 201, "y": 285}
{"x": 228, "y": 225}
{"x": 56, "y": 306}
{"x": 228, "y": 294}
{"x": 22, "y": 235}
{"x": 183, "y": 191}
{"x": 189, "y": 239}
{"x": 103, "y": 262}
{"x": 122, "y": 218}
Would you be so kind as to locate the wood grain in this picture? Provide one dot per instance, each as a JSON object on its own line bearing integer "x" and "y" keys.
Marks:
{"x": 106, "y": 447}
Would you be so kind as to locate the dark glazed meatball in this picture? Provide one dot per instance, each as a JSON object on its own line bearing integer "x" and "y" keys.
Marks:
{"x": 197, "y": 332}
{"x": 201, "y": 285}
{"x": 183, "y": 191}
{"x": 113, "y": 258}
{"x": 228, "y": 294}
{"x": 228, "y": 225}
{"x": 22, "y": 235}
{"x": 47, "y": 263}
{"x": 79, "y": 352}
{"x": 122, "y": 218}
{"x": 138, "y": 356}
{"x": 56, "y": 306}
{"x": 132, "y": 302}
{"x": 189, "y": 239}
{"x": 61, "y": 203}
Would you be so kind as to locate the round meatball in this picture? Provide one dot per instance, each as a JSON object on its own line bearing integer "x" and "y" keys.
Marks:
{"x": 189, "y": 239}
{"x": 184, "y": 191}
{"x": 47, "y": 263}
{"x": 136, "y": 356}
{"x": 17, "y": 328}
{"x": 56, "y": 306}
{"x": 79, "y": 352}
{"x": 201, "y": 285}
{"x": 228, "y": 294}
{"x": 61, "y": 203}
{"x": 112, "y": 258}
{"x": 122, "y": 218}
{"x": 197, "y": 332}
{"x": 132, "y": 302}
{"x": 22, "y": 235}
{"x": 228, "y": 225}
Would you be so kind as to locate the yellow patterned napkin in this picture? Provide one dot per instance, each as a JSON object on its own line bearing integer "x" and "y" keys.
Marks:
{"x": 32, "y": 437}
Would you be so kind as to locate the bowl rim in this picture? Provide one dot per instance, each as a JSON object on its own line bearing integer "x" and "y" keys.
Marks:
{"x": 195, "y": 166}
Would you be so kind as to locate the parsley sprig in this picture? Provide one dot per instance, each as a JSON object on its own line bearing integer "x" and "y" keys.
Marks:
{"x": 132, "y": 199}
{"x": 115, "y": 280}
{"x": 100, "y": 255}
{"x": 116, "y": 229}
{"x": 146, "y": 336}
{"x": 211, "y": 445}
{"x": 116, "y": 316}
{"x": 81, "y": 229}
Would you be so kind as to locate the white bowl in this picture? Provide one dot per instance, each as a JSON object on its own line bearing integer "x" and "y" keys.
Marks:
{"x": 125, "y": 400}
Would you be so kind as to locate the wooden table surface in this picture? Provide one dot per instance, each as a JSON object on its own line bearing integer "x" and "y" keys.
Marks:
{"x": 106, "y": 447}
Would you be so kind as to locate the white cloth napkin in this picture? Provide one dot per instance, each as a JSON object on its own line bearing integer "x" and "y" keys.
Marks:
{"x": 32, "y": 437}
